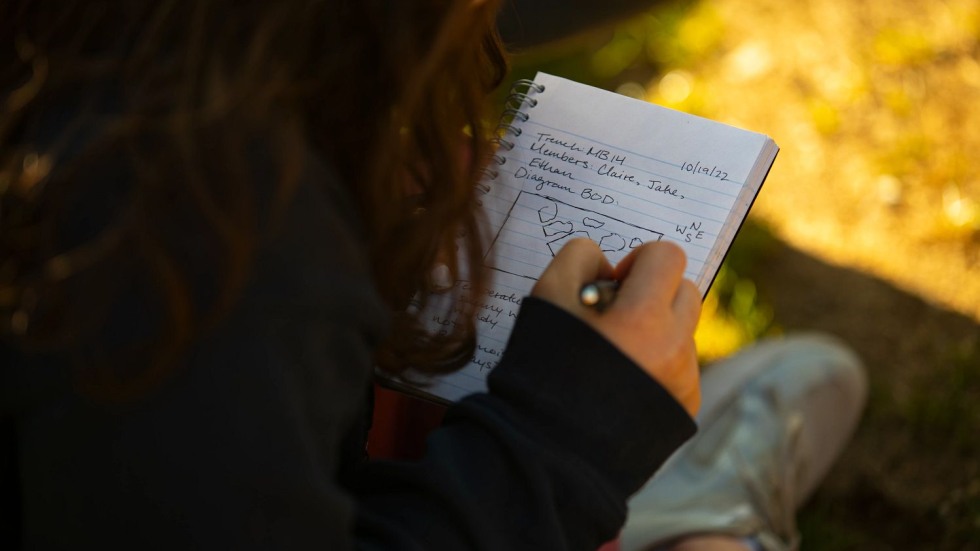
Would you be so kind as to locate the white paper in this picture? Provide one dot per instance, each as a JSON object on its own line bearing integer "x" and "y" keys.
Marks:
{"x": 592, "y": 163}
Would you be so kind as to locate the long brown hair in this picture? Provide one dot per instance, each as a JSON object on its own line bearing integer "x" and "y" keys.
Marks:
{"x": 175, "y": 93}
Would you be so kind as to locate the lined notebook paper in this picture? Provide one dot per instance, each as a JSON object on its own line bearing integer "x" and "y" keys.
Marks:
{"x": 577, "y": 161}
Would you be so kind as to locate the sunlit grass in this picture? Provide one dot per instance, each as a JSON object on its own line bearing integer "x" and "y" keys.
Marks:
{"x": 732, "y": 317}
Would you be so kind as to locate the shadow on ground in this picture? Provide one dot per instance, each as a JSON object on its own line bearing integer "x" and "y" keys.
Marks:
{"x": 910, "y": 479}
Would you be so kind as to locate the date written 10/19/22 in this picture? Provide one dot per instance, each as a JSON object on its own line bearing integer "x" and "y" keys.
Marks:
{"x": 698, "y": 168}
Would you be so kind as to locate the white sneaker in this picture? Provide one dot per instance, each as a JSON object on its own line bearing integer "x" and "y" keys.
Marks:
{"x": 774, "y": 418}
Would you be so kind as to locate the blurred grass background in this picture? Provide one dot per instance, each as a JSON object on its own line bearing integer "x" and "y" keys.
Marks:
{"x": 868, "y": 226}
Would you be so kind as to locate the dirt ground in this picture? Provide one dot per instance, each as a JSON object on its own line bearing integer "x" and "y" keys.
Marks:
{"x": 910, "y": 478}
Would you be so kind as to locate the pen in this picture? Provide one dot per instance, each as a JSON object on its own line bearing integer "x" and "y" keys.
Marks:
{"x": 598, "y": 294}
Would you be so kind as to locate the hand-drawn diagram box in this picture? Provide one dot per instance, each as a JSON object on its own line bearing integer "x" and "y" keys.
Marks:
{"x": 551, "y": 223}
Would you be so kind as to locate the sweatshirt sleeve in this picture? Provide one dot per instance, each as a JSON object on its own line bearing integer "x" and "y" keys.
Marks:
{"x": 546, "y": 460}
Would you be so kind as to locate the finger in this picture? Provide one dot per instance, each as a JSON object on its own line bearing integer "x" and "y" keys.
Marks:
{"x": 652, "y": 273}
{"x": 687, "y": 305}
{"x": 691, "y": 398}
{"x": 623, "y": 267}
{"x": 585, "y": 261}
{"x": 578, "y": 262}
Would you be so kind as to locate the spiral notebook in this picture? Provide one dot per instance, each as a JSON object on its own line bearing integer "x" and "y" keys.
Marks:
{"x": 577, "y": 161}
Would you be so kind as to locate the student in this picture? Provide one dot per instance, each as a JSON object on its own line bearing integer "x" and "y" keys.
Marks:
{"x": 213, "y": 215}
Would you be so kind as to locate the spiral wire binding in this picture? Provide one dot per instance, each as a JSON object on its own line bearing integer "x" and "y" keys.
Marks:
{"x": 518, "y": 99}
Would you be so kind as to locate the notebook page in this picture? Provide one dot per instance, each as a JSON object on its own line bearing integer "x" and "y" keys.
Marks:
{"x": 622, "y": 172}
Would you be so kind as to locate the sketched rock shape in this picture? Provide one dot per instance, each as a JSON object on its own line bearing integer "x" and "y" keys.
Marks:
{"x": 548, "y": 212}
{"x": 612, "y": 243}
{"x": 636, "y": 242}
{"x": 556, "y": 244}
{"x": 558, "y": 227}
{"x": 593, "y": 223}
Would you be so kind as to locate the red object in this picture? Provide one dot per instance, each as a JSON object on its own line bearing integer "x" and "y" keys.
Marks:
{"x": 401, "y": 424}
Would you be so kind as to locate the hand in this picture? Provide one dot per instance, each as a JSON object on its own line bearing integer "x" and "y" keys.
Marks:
{"x": 653, "y": 317}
